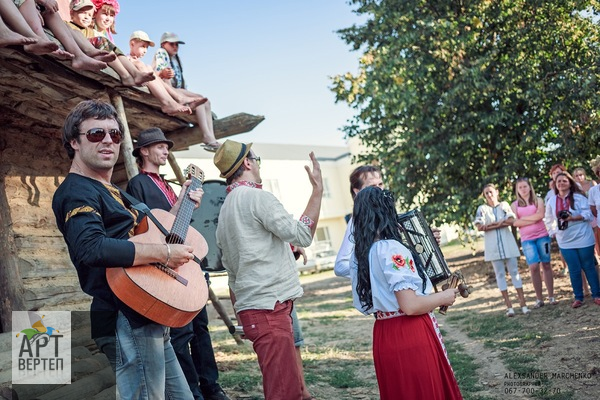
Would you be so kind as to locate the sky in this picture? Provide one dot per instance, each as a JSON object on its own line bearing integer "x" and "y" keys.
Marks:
{"x": 264, "y": 57}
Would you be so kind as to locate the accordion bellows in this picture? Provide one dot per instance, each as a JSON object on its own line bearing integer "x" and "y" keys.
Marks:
{"x": 420, "y": 240}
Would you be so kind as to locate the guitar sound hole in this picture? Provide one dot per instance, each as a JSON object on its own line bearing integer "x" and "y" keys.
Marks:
{"x": 174, "y": 238}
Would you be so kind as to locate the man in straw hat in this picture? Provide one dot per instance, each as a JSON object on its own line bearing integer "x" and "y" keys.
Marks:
{"x": 151, "y": 152}
{"x": 254, "y": 234}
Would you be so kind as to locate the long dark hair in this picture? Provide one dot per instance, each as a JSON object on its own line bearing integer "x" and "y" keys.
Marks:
{"x": 573, "y": 188}
{"x": 375, "y": 218}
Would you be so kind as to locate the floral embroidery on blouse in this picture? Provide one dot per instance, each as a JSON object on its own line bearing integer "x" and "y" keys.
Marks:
{"x": 399, "y": 261}
{"x": 411, "y": 263}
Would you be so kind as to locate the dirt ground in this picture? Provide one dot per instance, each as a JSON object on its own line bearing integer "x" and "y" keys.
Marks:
{"x": 570, "y": 356}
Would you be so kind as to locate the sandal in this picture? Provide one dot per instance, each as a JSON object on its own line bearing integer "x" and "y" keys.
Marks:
{"x": 552, "y": 301}
{"x": 211, "y": 147}
{"x": 510, "y": 312}
{"x": 577, "y": 304}
{"x": 538, "y": 304}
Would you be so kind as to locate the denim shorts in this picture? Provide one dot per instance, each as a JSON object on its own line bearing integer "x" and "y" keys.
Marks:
{"x": 537, "y": 250}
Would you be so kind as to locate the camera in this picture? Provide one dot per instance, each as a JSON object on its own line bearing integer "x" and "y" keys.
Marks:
{"x": 562, "y": 216}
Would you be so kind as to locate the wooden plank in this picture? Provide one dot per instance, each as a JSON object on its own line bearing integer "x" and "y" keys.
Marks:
{"x": 225, "y": 127}
{"x": 11, "y": 285}
{"x": 127, "y": 146}
{"x": 83, "y": 388}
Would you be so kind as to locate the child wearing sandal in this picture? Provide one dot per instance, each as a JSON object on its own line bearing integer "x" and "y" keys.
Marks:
{"x": 535, "y": 241}
{"x": 167, "y": 65}
{"x": 82, "y": 12}
{"x": 494, "y": 219}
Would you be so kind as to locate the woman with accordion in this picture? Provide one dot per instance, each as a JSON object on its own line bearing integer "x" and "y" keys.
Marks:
{"x": 408, "y": 351}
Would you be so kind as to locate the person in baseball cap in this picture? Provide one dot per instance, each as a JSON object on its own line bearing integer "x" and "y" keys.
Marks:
{"x": 167, "y": 65}
{"x": 142, "y": 36}
{"x": 77, "y": 5}
{"x": 171, "y": 38}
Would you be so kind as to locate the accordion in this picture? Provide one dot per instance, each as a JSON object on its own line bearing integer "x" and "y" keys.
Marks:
{"x": 417, "y": 236}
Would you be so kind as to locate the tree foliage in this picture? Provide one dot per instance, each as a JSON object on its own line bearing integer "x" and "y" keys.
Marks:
{"x": 451, "y": 95}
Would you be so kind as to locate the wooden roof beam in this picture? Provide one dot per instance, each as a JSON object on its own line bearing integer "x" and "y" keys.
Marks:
{"x": 224, "y": 127}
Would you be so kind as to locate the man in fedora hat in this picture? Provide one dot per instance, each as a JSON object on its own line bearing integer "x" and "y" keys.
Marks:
{"x": 254, "y": 234}
{"x": 151, "y": 152}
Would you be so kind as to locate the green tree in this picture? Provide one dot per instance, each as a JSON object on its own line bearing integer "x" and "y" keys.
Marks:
{"x": 451, "y": 95}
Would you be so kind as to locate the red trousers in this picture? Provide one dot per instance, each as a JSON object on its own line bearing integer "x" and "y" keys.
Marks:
{"x": 272, "y": 338}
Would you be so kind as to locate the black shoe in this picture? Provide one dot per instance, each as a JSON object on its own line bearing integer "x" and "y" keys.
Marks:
{"x": 218, "y": 395}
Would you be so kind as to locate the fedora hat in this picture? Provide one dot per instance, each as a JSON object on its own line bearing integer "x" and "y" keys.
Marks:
{"x": 150, "y": 136}
{"x": 230, "y": 156}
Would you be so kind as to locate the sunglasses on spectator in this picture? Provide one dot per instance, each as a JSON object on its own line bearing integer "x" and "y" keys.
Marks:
{"x": 96, "y": 135}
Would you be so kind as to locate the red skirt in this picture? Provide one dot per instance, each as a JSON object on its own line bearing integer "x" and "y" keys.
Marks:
{"x": 411, "y": 361}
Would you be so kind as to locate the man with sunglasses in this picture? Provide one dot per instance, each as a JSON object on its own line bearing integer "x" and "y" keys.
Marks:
{"x": 254, "y": 234}
{"x": 96, "y": 222}
{"x": 200, "y": 367}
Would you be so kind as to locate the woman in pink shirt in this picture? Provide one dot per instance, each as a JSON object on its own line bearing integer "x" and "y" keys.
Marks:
{"x": 535, "y": 241}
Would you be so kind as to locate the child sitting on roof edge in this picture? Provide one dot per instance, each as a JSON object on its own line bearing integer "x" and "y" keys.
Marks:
{"x": 46, "y": 12}
{"x": 168, "y": 67}
{"x": 82, "y": 12}
{"x": 171, "y": 101}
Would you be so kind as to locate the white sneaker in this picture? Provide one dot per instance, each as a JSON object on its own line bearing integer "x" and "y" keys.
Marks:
{"x": 510, "y": 312}
{"x": 525, "y": 310}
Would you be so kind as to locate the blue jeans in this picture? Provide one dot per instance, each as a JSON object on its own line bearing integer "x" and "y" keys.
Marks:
{"x": 582, "y": 260}
{"x": 200, "y": 365}
{"x": 298, "y": 337}
{"x": 537, "y": 250}
{"x": 146, "y": 364}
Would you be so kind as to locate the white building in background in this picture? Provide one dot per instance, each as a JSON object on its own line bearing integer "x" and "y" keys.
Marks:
{"x": 283, "y": 174}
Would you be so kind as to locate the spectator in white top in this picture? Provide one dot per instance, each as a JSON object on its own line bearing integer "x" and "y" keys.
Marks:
{"x": 568, "y": 218}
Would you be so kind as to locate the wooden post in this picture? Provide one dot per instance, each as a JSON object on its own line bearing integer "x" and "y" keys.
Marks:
{"x": 223, "y": 314}
{"x": 11, "y": 284}
{"x": 127, "y": 146}
{"x": 211, "y": 295}
{"x": 175, "y": 167}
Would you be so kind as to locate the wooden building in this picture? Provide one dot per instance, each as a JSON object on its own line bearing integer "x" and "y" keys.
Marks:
{"x": 36, "y": 94}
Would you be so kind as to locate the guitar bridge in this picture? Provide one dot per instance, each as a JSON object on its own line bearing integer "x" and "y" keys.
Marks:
{"x": 171, "y": 273}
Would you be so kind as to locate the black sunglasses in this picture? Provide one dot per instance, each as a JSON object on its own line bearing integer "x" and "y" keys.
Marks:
{"x": 96, "y": 135}
{"x": 257, "y": 159}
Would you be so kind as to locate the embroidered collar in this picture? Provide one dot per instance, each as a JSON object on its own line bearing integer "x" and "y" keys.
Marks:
{"x": 243, "y": 183}
{"x": 160, "y": 176}
{"x": 159, "y": 180}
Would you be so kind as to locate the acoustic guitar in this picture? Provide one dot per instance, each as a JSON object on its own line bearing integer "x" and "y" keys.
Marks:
{"x": 164, "y": 295}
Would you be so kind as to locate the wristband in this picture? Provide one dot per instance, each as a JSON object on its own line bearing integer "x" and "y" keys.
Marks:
{"x": 306, "y": 220}
{"x": 168, "y": 253}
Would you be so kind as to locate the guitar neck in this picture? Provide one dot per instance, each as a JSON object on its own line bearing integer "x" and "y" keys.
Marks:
{"x": 184, "y": 215}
